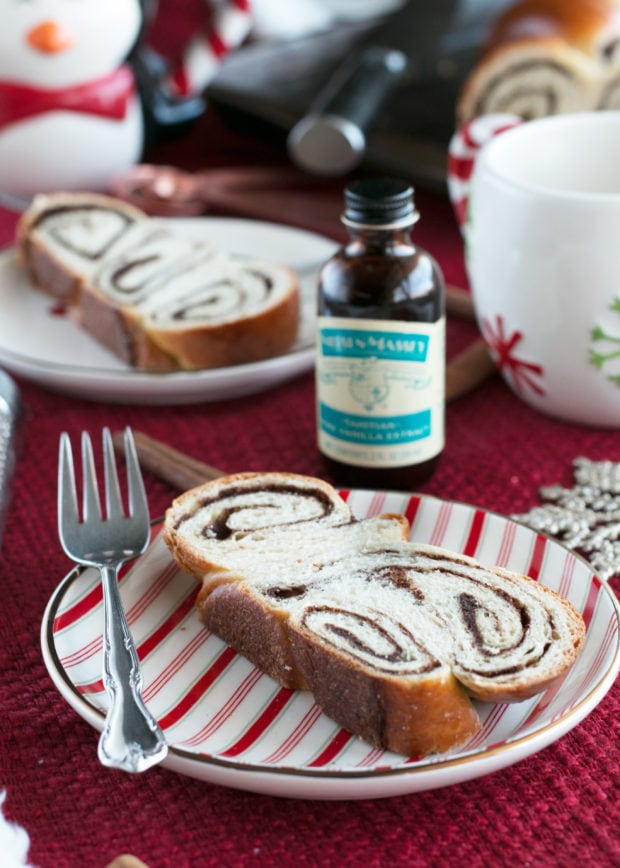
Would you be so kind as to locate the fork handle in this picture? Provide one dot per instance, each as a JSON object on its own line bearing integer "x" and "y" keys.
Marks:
{"x": 131, "y": 739}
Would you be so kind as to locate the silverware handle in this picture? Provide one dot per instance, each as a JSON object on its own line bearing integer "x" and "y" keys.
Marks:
{"x": 131, "y": 739}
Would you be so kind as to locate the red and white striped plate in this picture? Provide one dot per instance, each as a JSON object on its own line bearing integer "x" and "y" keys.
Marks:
{"x": 229, "y": 724}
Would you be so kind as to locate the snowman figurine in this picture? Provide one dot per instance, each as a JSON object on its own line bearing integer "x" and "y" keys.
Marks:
{"x": 79, "y": 94}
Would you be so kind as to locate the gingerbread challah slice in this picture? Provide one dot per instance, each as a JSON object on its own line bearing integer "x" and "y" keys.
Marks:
{"x": 392, "y": 638}
{"x": 156, "y": 299}
{"x": 546, "y": 57}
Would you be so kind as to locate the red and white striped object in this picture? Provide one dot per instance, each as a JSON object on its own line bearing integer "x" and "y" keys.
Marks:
{"x": 463, "y": 150}
{"x": 228, "y": 723}
{"x": 230, "y": 24}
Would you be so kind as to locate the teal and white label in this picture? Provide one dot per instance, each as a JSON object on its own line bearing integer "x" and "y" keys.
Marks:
{"x": 380, "y": 390}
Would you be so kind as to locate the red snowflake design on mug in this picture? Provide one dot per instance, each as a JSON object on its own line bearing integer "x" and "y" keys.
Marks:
{"x": 524, "y": 375}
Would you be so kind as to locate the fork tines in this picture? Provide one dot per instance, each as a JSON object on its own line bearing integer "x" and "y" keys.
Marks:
{"x": 91, "y": 502}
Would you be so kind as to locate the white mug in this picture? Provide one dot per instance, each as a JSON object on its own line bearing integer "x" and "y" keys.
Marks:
{"x": 540, "y": 212}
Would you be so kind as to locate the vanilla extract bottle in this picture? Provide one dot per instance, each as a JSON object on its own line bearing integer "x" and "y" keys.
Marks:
{"x": 380, "y": 362}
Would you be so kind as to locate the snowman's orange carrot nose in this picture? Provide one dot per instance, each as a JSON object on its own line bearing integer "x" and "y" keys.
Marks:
{"x": 50, "y": 37}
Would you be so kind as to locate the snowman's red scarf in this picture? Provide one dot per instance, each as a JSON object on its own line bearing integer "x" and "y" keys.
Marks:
{"x": 106, "y": 97}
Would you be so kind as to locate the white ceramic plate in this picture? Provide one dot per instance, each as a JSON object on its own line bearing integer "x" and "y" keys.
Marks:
{"x": 40, "y": 344}
{"x": 229, "y": 724}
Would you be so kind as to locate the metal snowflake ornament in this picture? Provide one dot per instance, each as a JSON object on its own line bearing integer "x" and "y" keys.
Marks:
{"x": 585, "y": 518}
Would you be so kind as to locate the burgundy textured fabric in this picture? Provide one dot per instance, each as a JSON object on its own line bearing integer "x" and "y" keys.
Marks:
{"x": 557, "y": 808}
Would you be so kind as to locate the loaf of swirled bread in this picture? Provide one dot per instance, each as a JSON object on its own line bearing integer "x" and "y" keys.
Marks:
{"x": 158, "y": 300}
{"x": 546, "y": 57}
{"x": 392, "y": 638}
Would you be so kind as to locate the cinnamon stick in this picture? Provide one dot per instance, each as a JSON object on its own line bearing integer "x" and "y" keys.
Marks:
{"x": 174, "y": 467}
{"x": 459, "y": 303}
{"x": 468, "y": 370}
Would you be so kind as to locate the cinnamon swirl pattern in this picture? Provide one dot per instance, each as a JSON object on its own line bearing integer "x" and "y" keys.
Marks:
{"x": 87, "y": 235}
{"x": 529, "y": 81}
{"x": 504, "y": 636}
{"x": 249, "y": 518}
{"x": 247, "y": 503}
{"x": 159, "y": 300}
{"x": 146, "y": 259}
{"x": 392, "y": 638}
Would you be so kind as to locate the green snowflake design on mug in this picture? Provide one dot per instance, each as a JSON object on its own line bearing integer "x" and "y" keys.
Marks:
{"x": 610, "y": 351}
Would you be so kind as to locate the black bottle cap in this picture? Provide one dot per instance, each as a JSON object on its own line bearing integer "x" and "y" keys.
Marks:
{"x": 379, "y": 202}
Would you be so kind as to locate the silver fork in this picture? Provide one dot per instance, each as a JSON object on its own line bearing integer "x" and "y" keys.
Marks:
{"x": 131, "y": 738}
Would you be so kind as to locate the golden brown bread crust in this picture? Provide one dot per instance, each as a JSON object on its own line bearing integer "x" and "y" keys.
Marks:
{"x": 578, "y": 23}
{"x": 413, "y": 718}
{"x": 244, "y": 623}
{"x": 265, "y": 335}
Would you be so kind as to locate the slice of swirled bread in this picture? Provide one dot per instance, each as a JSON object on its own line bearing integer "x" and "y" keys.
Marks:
{"x": 546, "y": 57}
{"x": 392, "y": 638}
{"x": 156, "y": 299}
